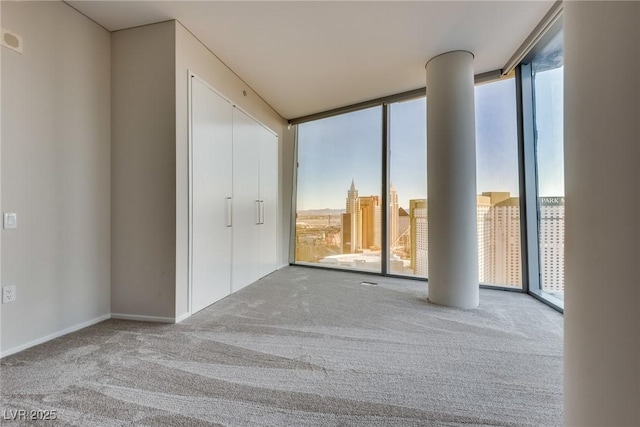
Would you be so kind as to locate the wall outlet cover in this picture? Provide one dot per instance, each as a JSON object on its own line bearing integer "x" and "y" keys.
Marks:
{"x": 8, "y": 294}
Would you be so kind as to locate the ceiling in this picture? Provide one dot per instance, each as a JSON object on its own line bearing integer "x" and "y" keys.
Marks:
{"x": 305, "y": 57}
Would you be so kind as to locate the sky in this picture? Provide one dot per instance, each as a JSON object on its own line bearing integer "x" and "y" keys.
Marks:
{"x": 548, "y": 93}
{"x": 335, "y": 150}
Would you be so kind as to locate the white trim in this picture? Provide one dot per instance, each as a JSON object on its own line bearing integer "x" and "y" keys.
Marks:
{"x": 182, "y": 317}
{"x": 190, "y": 78}
{"x": 142, "y": 318}
{"x": 55, "y": 335}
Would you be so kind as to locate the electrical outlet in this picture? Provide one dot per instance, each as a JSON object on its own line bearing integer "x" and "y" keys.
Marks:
{"x": 8, "y": 294}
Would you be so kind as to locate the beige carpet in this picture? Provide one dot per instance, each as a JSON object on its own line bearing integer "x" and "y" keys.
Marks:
{"x": 305, "y": 347}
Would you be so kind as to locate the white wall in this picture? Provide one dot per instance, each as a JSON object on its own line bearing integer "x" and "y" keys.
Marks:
{"x": 602, "y": 242}
{"x": 55, "y": 172}
{"x": 192, "y": 55}
{"x": 143, "y": 214}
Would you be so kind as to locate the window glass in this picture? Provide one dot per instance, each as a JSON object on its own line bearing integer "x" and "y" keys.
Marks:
{"x": 499, "y": 256}
{"x": 339, "y": 181}
{"x": 547, "y": 76}
{"x": 407, "y": 212}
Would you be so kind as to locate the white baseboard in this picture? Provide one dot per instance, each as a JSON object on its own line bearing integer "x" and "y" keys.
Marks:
{"x": 182, "y": 317}
{"x": 55, "y": 335}
{"x": 283, "y": 266}
{"x": 141, "y": 318}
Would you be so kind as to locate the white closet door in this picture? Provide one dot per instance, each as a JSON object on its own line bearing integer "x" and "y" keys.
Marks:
{"x": 269, "y": 198}
{"x": 246, "y": 206}
{"x": 211, "y": 124}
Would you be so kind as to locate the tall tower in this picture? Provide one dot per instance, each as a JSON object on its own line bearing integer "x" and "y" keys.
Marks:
{"x": 352, "y": 199}
{"x": 350, "y": 224}
{"x": 394, "y": 212}
{"x": 418, "y": 214}
{"x": 552, "y": 243}
{"x": 499, "y": 238}
{"x": 370, "y": 222}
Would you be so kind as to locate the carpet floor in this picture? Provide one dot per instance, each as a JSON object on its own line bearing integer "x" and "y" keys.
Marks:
{"x": 305, "y": 347}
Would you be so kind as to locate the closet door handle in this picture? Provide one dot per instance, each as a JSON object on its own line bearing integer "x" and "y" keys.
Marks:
{"x": 261, "y": 211}
{"x": 257, "y": 212}
{"x": 229, "y": 212}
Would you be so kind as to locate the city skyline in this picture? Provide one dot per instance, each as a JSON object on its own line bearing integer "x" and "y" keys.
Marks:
{"x": 353, "y": 238}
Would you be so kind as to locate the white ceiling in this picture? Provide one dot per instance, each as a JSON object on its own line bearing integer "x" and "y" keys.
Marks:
{"x": 305, "y": 57}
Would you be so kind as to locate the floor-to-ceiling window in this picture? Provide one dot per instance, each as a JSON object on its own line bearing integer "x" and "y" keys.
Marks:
{"x": 542, "y": 75}
{"x": 362, "y": 181}
{"x": 547, "y": 69}
{"x": 340, "y": 214}
{"x": 339, "y": 182}
{"x": 407, "y": 214}
{"x": 499, "y": 253}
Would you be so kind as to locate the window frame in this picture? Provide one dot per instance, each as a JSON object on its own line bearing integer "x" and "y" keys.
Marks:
{"x": 529, "y": 200}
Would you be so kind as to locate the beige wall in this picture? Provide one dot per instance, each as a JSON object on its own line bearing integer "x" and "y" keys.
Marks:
{"x": 143, "y": 213}
{"x": 55, "y": 172}
{"x": 95, "y": 146}
{"x": 193, "y": 55}
{"x": 602, "y": 240}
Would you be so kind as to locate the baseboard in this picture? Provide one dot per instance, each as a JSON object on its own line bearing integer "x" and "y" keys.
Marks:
{"x": 141, "y": 318}
{"x": 54, "y": 335}
{"x": 182, "y": 317}
{"x": 283, "y": 266}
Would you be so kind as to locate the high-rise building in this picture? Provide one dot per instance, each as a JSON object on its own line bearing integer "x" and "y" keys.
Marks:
{"x": 403, "y": 243}
{"x": 552, "y": 243}
{"x": 370, "y": 222}
{"x": 347, "y": 243}
{"x": 350, "y": 227}
{"x": 394, "y": 212}
{"x": 499, "y": 239}
{"x": 485, "y": 247}
{"x": 498, "y": 216}
{"x": 419, "y": 226}
{"x": 507, "y": 264}
{"x": 361, "y": 224}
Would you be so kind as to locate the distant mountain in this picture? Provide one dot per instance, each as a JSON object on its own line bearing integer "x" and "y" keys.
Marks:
{"x": 321, "y": 212}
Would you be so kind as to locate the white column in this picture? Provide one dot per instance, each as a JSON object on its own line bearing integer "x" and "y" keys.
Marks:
{"x": 602, "y": 241}
{"x": 451, "y": 173}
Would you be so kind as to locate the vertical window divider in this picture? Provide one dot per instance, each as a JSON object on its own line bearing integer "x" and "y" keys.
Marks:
{"x": 294, "y": 200}
{"x": 528, "y": 181}
{"x": 384, "y": 211}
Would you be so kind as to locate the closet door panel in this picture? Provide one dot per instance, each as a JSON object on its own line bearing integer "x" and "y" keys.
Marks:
{"x": 211, "y": 163}
{"x": 269, "y": 199}
{"x": 246, "y": 206}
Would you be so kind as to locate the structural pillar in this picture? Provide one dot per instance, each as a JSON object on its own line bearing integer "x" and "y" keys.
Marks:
{"x": 451, "y": 179}
{"x": 602, "y": 218}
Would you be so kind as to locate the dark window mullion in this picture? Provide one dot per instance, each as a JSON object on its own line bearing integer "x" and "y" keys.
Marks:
{"x": 529, "y": 223}
{"x": 384, "y": 215}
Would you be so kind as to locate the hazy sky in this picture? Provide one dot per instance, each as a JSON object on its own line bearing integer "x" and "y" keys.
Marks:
{"x": 335, "y": 150}
{"x": 549, "y": 118}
